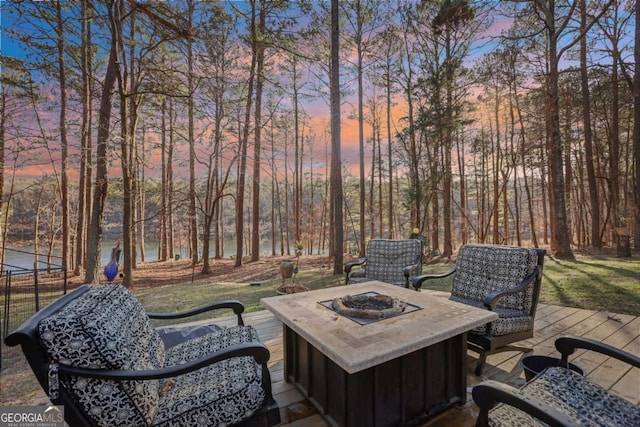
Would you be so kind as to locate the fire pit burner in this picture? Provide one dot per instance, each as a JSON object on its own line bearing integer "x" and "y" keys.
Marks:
{"x": 368, "y": 306}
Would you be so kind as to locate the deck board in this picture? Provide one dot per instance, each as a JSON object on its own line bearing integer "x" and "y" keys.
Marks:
{"x": 551, "y": 322}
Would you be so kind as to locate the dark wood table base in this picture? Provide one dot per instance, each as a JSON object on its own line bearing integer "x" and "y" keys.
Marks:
{"x": 400, "y": 392}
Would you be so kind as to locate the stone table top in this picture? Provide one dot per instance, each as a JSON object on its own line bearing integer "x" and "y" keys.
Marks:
{"x": 355, "y": 347}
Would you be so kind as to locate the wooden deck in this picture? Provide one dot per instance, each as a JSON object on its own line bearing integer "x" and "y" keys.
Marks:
{"x": 619, "y": 330}
{"x": 622, "y": 331}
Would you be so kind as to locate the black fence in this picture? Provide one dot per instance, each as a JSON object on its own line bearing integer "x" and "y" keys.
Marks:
{"x": 25, "y": 292}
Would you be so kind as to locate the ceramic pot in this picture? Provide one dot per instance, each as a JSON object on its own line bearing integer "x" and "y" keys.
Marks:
{"x": 286, "y": 269}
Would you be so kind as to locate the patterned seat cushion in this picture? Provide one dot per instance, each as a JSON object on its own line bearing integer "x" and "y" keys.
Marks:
{"x": 174, "y": 335}
{"x": 574, "y": 395}
{"x": 107, "y": 328}
{"x": 482, "y": 269}
{"x": 220, "y": 394}
{"x": 386, "y": 260}
{"x": 510, "y": 321}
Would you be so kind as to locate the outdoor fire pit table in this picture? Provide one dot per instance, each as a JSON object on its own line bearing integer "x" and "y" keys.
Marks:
{"x": 389, "y": 371}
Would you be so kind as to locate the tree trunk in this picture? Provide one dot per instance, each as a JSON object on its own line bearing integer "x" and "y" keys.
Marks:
{"x": 618, "y": 214}
{"x": 497, "y": 165}
{"x": 596, "y": 241}
{"x": 102, "y": 157}
{"x": 527, "y": 188}
{"x": 513, "y": 155}
{"x": 636, "y": 128}
{"x": 64, "y": 144}
{"x": 274, "y": 183}
{"x": 193, "y": 218}
{"x": 297, "y": 170}
{"x": 562, "y": 247}
{"x": 170, "y": 151}
{"x": 447, "y": 195}
{"x": 568, "y": 168}
{"x": 336, "y": 158}
{"x": 464, "y": 220}
{"x": 287, "y": 199}
{"x": 391, "y": 233}
{"x": 255, "y": 230}
{"x": 378, "y": 141}
{"x": 359, "y": 71}
{"x": 84, "y": 187}
{"x": 244, "y": 139}
{"x": 126, "y": 144}
{"x": 164, "y": 211}
{"x": 140, "y": 197}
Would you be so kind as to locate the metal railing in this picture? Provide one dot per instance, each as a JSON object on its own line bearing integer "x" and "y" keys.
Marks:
{"x": 25, "y": 292}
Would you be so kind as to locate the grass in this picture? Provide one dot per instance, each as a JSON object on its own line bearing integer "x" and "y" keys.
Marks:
{"x": 178, "y": 297}
{"x": 593, "y": 282}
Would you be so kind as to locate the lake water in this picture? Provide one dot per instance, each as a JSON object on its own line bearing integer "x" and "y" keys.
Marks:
{"x": 23, "y": 258}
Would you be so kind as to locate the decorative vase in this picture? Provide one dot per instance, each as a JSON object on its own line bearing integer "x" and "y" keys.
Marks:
{"x": 286, "y": 269}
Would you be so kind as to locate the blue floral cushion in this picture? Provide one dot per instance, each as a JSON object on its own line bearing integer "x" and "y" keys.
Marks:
{"x": 107, "y": 328}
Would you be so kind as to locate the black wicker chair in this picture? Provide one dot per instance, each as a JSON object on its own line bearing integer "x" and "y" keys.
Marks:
{"x": 558, "y": 396}
{"x": 503, "y": 279}
{"x": 95, "y": 352}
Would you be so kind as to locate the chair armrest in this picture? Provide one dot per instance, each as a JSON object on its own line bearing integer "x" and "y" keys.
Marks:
{"x": 410, "y": 269}
{"x": 491, "y": 300}
{"x": 488, "y": 393}
{"x": 235, "y": 305}
{"x": 257, "y": 350}
{"x": 348, "y": 266}
{"x": 568, "y": 344}
{"x": 418, "y": 280}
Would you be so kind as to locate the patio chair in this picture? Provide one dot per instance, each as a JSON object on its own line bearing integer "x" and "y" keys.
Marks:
{"x": 95, "y": 352}
{"x": 558, "y": 396}
{"x": 389, "y": 261}
{"x": 503, "y": 279}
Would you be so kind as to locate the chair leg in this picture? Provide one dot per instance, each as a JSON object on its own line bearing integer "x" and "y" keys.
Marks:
{"x": 482, "y": 358}
{"x": 482, "y": 355}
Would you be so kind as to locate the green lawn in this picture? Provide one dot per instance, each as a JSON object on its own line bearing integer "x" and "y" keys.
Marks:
{"x": 592, "y": 282}
{"x": 172, "y": 298}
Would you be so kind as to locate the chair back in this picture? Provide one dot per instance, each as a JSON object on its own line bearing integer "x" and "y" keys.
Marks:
{"x": 482, "y": 269}
{"x": 102, "y": 327}
{"x": 386, "y": 259}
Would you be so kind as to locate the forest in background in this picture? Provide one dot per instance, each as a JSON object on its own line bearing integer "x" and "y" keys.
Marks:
{"x": 472, "y": 121}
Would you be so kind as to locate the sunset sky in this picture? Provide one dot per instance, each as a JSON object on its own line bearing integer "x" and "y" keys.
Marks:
{"x": 318, "y": 110}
